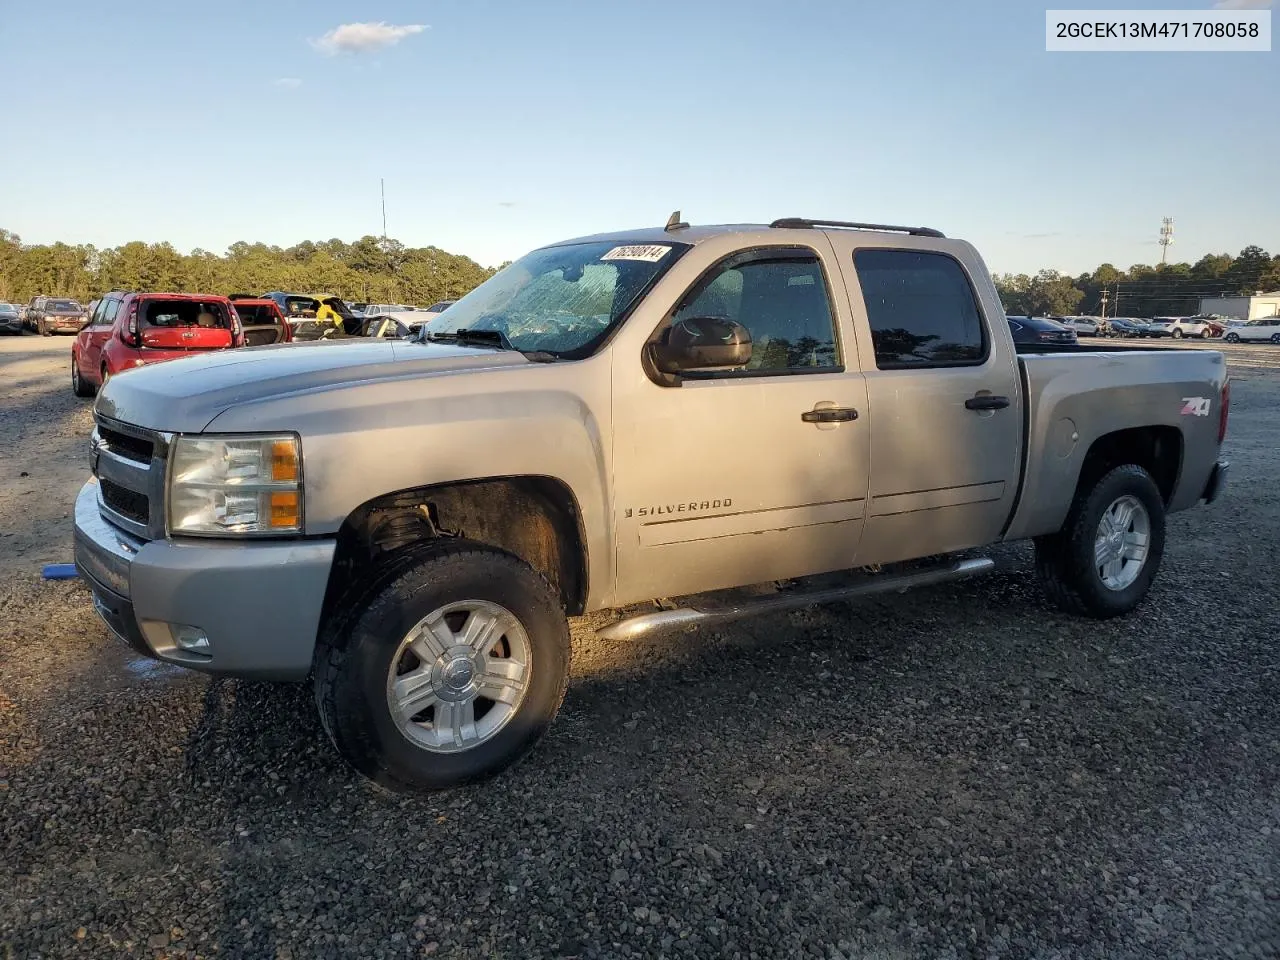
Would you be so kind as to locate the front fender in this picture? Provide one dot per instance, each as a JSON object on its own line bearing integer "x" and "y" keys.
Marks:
{"x": 364, "y": 440}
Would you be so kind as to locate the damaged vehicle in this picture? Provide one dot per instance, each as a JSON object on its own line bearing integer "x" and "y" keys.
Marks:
{"x": 730, "y": 419}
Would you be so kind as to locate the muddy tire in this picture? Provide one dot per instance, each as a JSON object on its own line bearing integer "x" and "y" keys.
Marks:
{"x": 445, "y": 669}
{"x": 1103, "y": 561}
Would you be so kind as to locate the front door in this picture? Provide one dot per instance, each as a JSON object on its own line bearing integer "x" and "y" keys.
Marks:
{"x": 750, "y": 475}
{"x": 945, "y": 404}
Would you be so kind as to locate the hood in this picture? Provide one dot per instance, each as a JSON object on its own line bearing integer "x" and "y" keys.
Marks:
{"x": 184, "y": 396}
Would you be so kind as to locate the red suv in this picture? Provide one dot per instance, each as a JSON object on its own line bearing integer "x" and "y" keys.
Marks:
{"x": 128, "y": 330}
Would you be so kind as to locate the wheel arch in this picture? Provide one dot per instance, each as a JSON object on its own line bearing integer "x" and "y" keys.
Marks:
{"x": 1158, "y": 449}
{"x": 535, "y": 518}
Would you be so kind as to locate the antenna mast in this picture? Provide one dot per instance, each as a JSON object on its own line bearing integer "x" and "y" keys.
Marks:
{"x": 1166, "y": 238}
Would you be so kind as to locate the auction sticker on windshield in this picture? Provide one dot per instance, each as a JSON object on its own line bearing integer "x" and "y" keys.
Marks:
{"x": 650, "y": 253}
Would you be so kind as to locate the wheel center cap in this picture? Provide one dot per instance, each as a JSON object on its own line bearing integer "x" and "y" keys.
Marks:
{"x": 459, "y": 673}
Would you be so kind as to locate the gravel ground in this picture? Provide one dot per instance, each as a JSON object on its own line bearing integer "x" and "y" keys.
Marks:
{"x": 954, "y": 773}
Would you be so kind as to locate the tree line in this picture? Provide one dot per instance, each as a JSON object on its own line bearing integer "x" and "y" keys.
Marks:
{"x": 375, "y": 270}
{"x": 371, "y": 269}
{"x": 1164, "y": 290}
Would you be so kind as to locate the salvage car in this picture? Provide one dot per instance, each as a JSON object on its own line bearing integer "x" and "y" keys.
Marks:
{"x": 130, "y": 330}
{"x": 735, "y": 419}
{"x": 1126, "y": 327}
{"x": 262, "y": 321}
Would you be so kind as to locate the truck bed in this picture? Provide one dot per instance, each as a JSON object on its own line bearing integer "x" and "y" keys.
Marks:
{"x": 1078, "y": 396}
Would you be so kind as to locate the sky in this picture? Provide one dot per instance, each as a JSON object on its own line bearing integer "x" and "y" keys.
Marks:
{"x": 502, "y": 125}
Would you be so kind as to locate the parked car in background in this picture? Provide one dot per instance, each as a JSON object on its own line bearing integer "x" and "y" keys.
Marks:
{"x": 1040, "y": 330}
{"x": 1083, "y": 326}
{"x": 438, "y": 307}
{"x": 130, "y": 330}
{"x": 1268, "y": 328}
{"x": 387, "y": 326}
{"x": 58, "y": 315}
{"x": 303, "y": 311}
{"x": 382, "y": 309}
{"x": 29, "y": 312}
{"x": 262, "y": 321}
{"x": 1179, "y": 327}
{"x": 1125, "y": 327}
{"x": 10, "y": 318}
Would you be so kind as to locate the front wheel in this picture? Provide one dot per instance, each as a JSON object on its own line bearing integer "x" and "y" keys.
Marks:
{"x": 1177, "y": 333}
{"x": 1103, "y": 561}
{"x": 1275, "y": 338}
{"x": 1232, "y": 338}
{"x": 43, "y": 329}
{"x": 445, "y": 670}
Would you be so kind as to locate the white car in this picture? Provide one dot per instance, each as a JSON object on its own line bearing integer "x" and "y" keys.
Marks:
{"x": 386, "y": 309}
{"x": 1179, "y": 327}
{"x": 1268, "y": 328}
{"x": 1083, "y": 326}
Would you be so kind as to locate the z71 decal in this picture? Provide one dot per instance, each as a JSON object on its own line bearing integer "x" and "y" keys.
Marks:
{"x": 1195, "y": 406}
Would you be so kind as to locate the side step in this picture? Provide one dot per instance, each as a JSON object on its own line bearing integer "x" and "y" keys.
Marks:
{"x": 705, "y": 611}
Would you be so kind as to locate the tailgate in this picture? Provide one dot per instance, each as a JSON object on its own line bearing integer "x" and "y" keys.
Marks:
{"x": 186, "y": 338}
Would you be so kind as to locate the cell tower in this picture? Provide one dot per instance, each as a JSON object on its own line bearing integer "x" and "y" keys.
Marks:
{"x": 1166, "y": 238}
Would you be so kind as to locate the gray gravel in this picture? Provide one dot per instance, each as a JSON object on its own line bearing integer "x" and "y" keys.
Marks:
{"x": 954, "y": 773}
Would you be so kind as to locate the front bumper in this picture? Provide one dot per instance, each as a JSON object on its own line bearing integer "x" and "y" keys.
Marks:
{"x": 258, "y": 602}
{"x": 1217, "y": 481}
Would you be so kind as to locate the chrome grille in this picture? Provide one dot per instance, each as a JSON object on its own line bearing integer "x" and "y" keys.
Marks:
{"x": 129, "y": 463}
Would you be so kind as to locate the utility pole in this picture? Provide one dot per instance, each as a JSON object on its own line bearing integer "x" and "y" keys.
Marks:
{"x": 1104, "y": 303}
{"x": 1115, "y": 307}
{"x": 383, "y": 185}
{"x": 1166, "y": 238}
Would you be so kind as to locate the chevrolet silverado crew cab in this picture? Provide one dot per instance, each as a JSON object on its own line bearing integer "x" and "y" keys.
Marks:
{"x": 691, "y": 423}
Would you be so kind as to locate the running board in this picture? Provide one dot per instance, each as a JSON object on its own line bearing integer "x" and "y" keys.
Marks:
{"x": 703, "y": 613}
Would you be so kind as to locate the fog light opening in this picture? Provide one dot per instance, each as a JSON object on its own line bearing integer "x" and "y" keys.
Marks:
{"x": 191, "y": 639}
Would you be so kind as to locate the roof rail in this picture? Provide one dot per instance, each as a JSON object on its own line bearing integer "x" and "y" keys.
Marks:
{"x": 800, "y": 223}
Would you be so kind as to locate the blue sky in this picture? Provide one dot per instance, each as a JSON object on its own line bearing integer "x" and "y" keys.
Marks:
{"x": 503, "y": 125}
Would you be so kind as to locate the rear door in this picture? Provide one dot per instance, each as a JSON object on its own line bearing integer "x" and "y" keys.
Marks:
{"x": 103, "y": 325}
{"x": 944, "y": 395}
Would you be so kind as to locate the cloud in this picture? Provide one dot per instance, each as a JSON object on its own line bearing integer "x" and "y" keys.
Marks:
{"x": 289, "y": 83}
{"x": 1243, "y": 4}
{"x": 364, "y": 37}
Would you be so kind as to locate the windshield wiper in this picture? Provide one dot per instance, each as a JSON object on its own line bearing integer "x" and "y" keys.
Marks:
{"x": 488, "y": 338}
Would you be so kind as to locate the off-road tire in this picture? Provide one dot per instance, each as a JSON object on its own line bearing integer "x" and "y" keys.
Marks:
{"x": 1065, "y": 560}
{"x": 354, "y": 652}
{"x": 79, "y": 386}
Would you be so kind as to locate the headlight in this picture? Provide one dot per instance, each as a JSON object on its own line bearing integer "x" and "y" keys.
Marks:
{"x": 236, "y": 485}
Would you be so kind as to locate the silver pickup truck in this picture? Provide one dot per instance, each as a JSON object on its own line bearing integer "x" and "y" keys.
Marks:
{"x": 725, "y": 420}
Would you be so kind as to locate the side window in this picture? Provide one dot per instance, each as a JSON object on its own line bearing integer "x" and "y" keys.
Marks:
{"x": 782, "y": 301}
{"x": 107, "y": 312}
{"x": 921, "y": 308}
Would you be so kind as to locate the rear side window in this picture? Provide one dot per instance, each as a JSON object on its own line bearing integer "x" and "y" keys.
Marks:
{"x": 167, "y": 314}
{"x": 107, "y": 313}
{"x": 921, "y": 308}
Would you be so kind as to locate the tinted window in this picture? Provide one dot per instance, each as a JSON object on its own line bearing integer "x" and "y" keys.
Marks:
{"x": 107, "y": 312}
{"x": 62, "y": 306}
{"x": 920, "y": 307}
{"x": 782, "y": 301}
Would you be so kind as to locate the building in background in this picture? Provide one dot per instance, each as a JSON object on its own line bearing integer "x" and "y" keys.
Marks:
{"x": 1243, "y": 308}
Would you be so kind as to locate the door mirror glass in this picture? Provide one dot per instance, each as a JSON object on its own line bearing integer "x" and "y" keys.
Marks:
{"x": 702, "y": 343}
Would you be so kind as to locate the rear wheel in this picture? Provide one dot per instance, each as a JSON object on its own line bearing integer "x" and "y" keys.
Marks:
{"x": 79, "y": 386}
{"x": 1205, "y": 333}
{"x": 1177, "y": 333}
{"x": 444, "y": 670}
{"x": 1103, "y": 561}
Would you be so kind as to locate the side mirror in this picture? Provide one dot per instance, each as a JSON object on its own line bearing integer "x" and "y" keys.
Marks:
{"x": 702, "y": 343}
